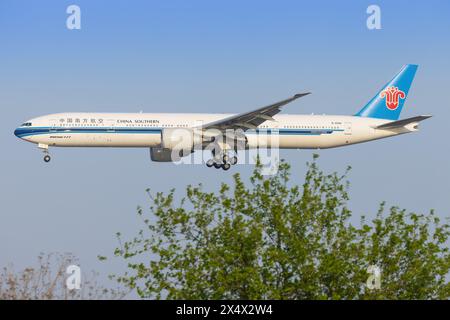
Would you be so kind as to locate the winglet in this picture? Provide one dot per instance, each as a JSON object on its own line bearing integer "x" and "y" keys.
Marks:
{"x": 299, "y": 95}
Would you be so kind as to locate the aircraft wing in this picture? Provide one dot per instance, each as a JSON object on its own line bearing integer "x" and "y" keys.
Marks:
{"x": 402, "y": 123}
{"x": 251, "y": 119}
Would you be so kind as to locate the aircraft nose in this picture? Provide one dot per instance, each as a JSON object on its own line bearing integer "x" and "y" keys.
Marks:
{"x": 17, "y": 132}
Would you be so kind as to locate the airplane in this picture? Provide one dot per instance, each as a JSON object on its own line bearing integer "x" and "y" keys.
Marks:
{"x": 181, "y": 134}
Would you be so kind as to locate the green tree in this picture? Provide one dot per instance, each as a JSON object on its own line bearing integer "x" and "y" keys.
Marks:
{"x": 269, "y": 239}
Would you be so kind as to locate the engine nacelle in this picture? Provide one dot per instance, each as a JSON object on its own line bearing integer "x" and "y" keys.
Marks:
{"x": 180, "y": 139}
{"x": 164, "y": 155}
{"x": 175, "y": 144}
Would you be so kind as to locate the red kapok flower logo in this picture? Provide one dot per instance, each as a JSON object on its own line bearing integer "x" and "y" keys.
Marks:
{"x": 393, "y": 96}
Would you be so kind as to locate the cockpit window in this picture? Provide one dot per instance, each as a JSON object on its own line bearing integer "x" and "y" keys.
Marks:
{"x": 26, "y": 124}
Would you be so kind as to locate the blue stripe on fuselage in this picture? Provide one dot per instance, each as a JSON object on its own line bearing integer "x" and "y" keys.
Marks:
{"x": 32, "y": 131}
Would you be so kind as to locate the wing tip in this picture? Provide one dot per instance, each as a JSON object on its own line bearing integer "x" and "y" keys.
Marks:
{"x": 299, "y": 95}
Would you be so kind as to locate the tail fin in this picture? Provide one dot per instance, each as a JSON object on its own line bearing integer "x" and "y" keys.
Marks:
{"x": 388, "y": 102}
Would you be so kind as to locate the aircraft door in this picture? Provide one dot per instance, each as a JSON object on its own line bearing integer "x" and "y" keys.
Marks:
{"x": 348, "y": 128}
{"x": 53, "y": 125}
{"x": 110, "y": 129}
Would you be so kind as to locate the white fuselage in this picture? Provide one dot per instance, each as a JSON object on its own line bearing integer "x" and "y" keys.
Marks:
{"x": 144, "y": 129}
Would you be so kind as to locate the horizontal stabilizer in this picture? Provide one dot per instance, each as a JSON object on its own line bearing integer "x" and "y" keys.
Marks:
{"x": 402, "y": 123}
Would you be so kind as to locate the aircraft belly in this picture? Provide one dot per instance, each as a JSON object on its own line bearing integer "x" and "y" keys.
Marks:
{"x": 313, "y": 141}
{"x": 296, "y": 141}
{"x": 98, "y": 140}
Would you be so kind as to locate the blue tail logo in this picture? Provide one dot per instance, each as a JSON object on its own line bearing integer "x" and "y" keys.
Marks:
{"x": 388, "y": 102}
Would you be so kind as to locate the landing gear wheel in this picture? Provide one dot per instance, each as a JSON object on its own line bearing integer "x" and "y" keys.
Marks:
{"x": 226, "y": 166}
{"x": 233, "y": 160}
{"x": 217, "y": 165}
{"x": 210, "y": 163}
{"x": 47, "y": 158}
{"x": 225, "y": 158}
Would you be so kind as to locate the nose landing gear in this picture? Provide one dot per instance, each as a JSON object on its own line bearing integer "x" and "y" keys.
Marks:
{"x": 44, "y": 149}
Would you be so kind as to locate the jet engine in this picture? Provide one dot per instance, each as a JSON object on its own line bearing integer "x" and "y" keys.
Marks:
{"x": 175, "y": 144}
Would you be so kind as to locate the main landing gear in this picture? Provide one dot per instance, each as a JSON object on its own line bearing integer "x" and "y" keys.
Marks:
{"x": 223, "y": 161}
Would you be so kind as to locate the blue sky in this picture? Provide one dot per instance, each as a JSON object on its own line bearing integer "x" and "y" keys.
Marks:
{"x": 206, "y": 56}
